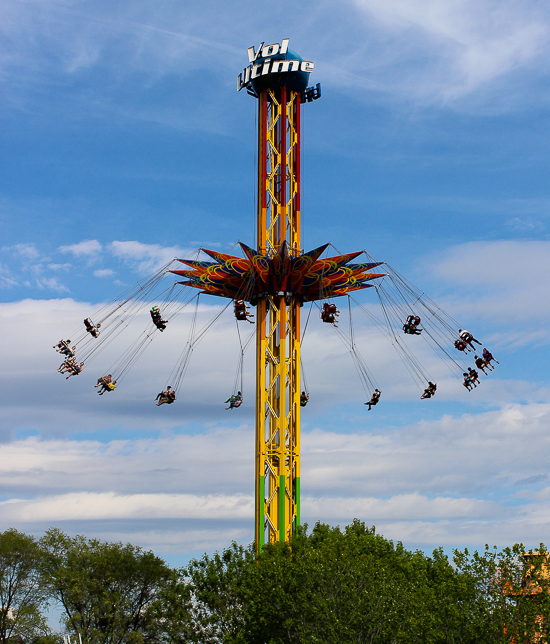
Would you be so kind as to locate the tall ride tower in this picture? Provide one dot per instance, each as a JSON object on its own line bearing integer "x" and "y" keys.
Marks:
{"x": 278, "y": 79}
{"x": 278, "y": 277}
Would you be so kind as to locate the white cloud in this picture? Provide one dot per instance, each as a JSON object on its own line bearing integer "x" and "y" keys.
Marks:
{"x": 7, "y": 280}
{"x": 93, "y": 506}
{"x": 414, "y": 50}
{"x": 60, "y": 267}
{"x": 464, "y": 478}
{"x": 466, "y": 43}
{"x": 146, "y": 257}
{"x": 28, "y": 252}
{"x": 104, "y": 272}
{"x": 499, "y": 280}
{"x": 51, "y": 284}
{"x": 88, "y": 248}
{"x": 448, "y": 482}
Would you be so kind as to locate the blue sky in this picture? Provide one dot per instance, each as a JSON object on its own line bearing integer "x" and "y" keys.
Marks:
{"x": 125, "y": 143}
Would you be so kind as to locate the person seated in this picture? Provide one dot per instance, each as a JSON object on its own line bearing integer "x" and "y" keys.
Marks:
{"x": 482, "y": 364}
{"x": 468, "y": 382}
{"x": 242, "y": 313}
{"x": 64, "y": 349}
{"x": 91, "y": 328}
{"x": 474, "y": 375}
{"x": 166, "y": 397}
{"x": 488, "y": 357}
{"x": 304, "y": 398}
{"x": 467, "y": 337}
{"x": 411, "y": 324}
{"x": 108, "y": 386}
{"x": 62, "y": 346}
{"x": 235, "y": 401}
{"x": 103, "y": 382}
{"x": 429, "y": 391}
{"x": 70, "y": 353}
{"x": 157, "y": 318}
{"x": 329, "y": 313}
{"x": 461, "y": 345}
{"x": 75, "y": 370}
{"x": 374, "y": 400}
{"x": 67, "y": 365}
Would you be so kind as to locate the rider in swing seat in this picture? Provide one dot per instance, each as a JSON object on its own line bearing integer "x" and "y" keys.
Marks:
{"x": 429, "y": 391}
{"x": 242, "y": 313}
{"x": 411, "y": 324}
{"x": 157, "y": 318}
{"x": 166, "y": 397}
{"x": 304, "y": 398}
{"x": 92, "y": 329}
{"x": 374, "y": 400}
{"x": 482, "y": 364}
{"x": 468, "y": 382}
{"x": 329, "y": 313}
{"x": 235, "y": 401}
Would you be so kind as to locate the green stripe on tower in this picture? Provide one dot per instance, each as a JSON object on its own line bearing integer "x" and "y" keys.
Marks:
{"x": 297, "y": 491}
{"x": 261, "y": 514}
{"x": 282, "y": 504}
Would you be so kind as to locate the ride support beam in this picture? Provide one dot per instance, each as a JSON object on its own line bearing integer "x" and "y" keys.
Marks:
{"x": 277, "y": 503}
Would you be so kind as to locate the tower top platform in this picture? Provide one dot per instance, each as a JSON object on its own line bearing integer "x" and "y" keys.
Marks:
{"x": 273, "y": 66}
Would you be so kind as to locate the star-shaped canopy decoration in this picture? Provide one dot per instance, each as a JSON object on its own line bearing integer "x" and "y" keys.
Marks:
{"x": 305, "y": 276}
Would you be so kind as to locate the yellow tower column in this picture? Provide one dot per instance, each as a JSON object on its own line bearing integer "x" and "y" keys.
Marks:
{"x": 278, "y": 321}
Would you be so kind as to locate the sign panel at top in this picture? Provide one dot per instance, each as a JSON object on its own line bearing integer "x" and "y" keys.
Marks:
{"x": 274, "y": 66}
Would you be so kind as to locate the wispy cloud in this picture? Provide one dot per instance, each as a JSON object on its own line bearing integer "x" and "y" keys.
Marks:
{"x": 424, "y": 51}
{"x": 104, "y": 272}
{"x": 464, "y": 45}
{"x": 145, "y": 257}
{"x": 26, "y": 251}
{"x": 87, "y": 248}
{"x": 505, "y": 280}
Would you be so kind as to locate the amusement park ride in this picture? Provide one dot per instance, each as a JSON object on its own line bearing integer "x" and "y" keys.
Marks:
{"x": 278, "y": 278}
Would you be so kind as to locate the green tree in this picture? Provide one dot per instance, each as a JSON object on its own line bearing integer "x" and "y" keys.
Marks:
{"x": 111, "y": 593}
{"x": 355, "y": 586}
{"x": 219, "y": 588}
{"x": 21, "y": 590}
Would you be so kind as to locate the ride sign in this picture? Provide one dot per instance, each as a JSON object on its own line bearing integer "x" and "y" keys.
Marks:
{"x": 274, "y": 66}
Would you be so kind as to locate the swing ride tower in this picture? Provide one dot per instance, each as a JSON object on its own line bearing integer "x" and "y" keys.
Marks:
{"x": 277, "y": 277}
{"x": 278, "y": 79}
{"x": 277, "y": 502}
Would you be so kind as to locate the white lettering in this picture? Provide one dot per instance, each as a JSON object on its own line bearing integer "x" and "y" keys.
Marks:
{"x": 285, "y": 66}
{"x": 270, "y": 50}
{"x": 270, "y": 66}
{"x": 254, "y": 55}
{"x": 255, "y": 71}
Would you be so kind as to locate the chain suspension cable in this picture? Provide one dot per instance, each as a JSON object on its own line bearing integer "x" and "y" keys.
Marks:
{"x": 182, "y": 365}
{"x": 365, "y": 376}
{"x": 120, "y": 323}
{"x": 431, "y": 329}
{"x": 409, "y": 360}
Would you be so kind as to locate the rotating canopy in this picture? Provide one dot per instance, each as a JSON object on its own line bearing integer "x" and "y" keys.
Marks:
{"x": 306, "y": 276}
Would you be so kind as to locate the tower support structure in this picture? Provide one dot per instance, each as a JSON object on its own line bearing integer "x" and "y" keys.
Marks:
{"x": 278, "y": 277}
{"x": 277, "y": 497}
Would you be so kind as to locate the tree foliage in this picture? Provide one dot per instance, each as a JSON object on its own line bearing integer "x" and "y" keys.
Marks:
{"x": 326, "y": 586}
{"x": 110, "y": 592}
{"x": 21, "y": 589}
{"x": 354, "y": 586}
